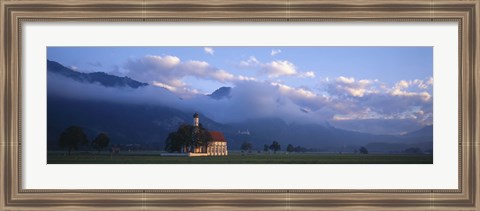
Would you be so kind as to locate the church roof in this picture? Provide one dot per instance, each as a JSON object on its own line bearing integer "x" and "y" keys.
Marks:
{"x": 217, "y": 136}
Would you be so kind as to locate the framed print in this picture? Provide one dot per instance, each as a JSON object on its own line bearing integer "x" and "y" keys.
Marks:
{"x": 232, "y": 121}
{"x": 260, "y": 105}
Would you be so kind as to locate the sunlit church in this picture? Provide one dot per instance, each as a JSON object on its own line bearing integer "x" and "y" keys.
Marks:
{"x": 216, "y": 147}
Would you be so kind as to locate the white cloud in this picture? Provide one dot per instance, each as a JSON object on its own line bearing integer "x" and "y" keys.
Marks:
{"x": 273, "y": 69}
{"x": 245, "y": 78}
{"x": 348, "y": 86}
{"x": 373, "y": 101}
{"x": 420, "y": 84}
{"x": 166, "y": 86}
{"x": 345, "y": 80}
{"x": 275, "y": 52}
{"x": 250, "y": 62}
{"x": 425, "y": 96}
{"x": 75, "y": 68}
{"x": 209, "y": 50}
{"x": 309, "y": 74}
{"x": 279, "y": 68}
{"x": 166, "y": 62}
{"x": 203, "y": 70}
{"x": 401, "y": 85}
{"x": 302, "y": 97}
{"x": 404, "y": 88}
{"x": 169, "y": 71}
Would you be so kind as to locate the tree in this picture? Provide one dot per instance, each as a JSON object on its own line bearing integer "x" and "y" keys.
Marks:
{"x": 246, "y": 146}
{"x": 101, "y": 141}
{"x": 201, "y": 136}
{"x": 187, "y": 136}
{"x": 180, "y": 140}
{"x": 363, "y": 150}
{"x": 290, "y": 148}
{"x": 265, "y": 148}
{"x": 72, "y": 137}
{"x": 275, "y": 146}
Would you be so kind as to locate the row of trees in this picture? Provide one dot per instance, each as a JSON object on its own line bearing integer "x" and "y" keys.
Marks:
{"x": 275, "y": 146}
{"x": 291, "y": 148}
{"x": 73, "y": 137}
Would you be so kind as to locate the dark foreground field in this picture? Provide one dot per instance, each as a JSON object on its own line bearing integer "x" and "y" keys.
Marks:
{"x": 235, "y": 158}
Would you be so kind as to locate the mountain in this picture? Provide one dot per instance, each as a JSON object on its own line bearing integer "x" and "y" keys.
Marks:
{"x": 222, "y": 92}
{"x": 95, "y": 77}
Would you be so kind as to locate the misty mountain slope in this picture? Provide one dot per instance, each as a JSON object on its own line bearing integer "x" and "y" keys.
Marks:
{"x": 96, "y": 77}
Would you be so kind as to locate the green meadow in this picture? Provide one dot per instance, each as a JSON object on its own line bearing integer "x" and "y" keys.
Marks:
{"x": 153, "y": 157}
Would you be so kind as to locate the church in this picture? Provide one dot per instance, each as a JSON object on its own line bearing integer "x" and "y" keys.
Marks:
{"x": 216, "y": 147}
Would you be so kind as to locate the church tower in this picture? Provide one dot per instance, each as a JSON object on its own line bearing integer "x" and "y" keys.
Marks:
{"x": 195, "y": 119}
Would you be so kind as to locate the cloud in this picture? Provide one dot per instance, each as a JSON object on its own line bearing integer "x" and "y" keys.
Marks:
{"x": 374, "y": 102}
{"x": 209, "y": 50}
{"x": 250, "y": 99}
{"x": 345, "y": 80}
{"x": 58, "y": 85}
{"x": 166, "y": 86}
{"x": 304, "y": 98}
{"x": 309, "y": 74}
{"x": 401, "y": 85}
{"x": 400, "y": 89}
{"x": 273, "y": 69}
{"x": 279, "y": 68}
{"x": 275, "y": 52}
{"x": 251, "y": 62}
{"x": 169, "y": 72}
{"x": 73, "y": 67}
{"x": 349, "y": 87}
{"x": 203, "y": 70}
{"x": 245, "y": 78}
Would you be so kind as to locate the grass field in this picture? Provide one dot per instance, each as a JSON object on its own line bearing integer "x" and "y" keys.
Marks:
{"x": 151, "y": 157}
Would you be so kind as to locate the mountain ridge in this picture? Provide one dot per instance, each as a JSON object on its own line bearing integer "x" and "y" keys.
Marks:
{"x": 220, "y": 93}
{"x": 103, "y": 78}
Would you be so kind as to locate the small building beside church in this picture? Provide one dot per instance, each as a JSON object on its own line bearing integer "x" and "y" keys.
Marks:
{"x": 218, "y": 146}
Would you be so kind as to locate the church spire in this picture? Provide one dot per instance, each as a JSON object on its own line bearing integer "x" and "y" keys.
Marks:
{"x": 195, "y": 120}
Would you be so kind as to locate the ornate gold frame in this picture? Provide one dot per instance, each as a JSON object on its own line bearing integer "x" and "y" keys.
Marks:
{"x": 14, "y": 12}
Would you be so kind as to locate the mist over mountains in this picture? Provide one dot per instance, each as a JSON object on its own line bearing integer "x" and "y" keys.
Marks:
{"x": 133, "y": 112}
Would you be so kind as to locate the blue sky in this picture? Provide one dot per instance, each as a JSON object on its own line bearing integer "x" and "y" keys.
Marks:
{"x": 349, "y": 87}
